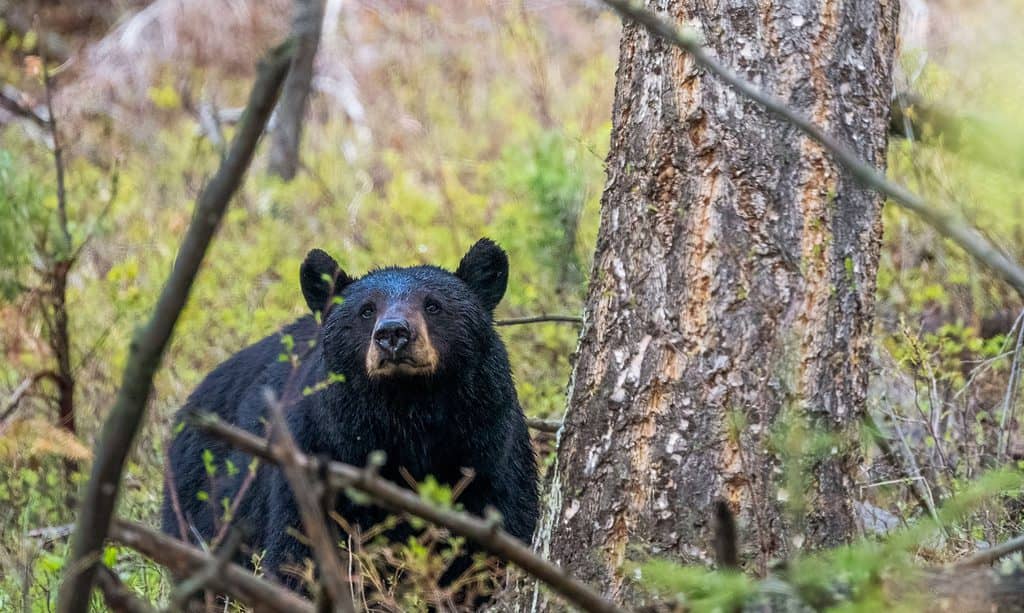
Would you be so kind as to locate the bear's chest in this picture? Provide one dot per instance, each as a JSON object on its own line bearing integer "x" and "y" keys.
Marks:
{"x": 417, "y": 441}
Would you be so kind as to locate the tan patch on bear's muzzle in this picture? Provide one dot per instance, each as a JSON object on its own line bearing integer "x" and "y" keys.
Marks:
{"x": 418, "y": 358}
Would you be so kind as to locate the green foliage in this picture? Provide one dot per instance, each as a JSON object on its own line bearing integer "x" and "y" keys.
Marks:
{"x": 848, "y": 578}
{"x": 24, "y": 223}
{"x": 547, "y": 177}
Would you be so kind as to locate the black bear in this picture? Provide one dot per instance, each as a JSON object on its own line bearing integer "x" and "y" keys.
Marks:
{"x": 401, "y": 360}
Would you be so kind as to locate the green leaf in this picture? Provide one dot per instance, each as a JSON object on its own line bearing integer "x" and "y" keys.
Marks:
{"x": 209, "y": 462}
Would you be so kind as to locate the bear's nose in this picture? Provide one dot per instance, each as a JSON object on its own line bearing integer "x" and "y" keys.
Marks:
{"x": 392, "y": 334}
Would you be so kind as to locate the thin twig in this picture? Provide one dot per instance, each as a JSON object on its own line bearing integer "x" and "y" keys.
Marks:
{"x": 9, "y": 101}
{"x": 233, "y": 580}
{"x": 913, "y": 478}
{"x": 205, "y": 575}
{"x": 945, "y": 222}
{"x": 58, "y": 159}
{"x": 544, "y": 425}
{"x": 147, "y": 348}
{"x": 515, "y": 321}
{"x": 485, "y": 533}
{"x": 250, "y": 477}
{"x": 987, "y": 556}
{"x": 58, "y": 330}
{"x": 1009, "y": 400}
{"x": 19, "y": 392}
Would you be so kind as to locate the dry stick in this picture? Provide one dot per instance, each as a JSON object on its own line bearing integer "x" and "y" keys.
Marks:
{"x": 23, "y": 388}
{"x": 946, "y": 223}
{"x": 58, "y": 158}
{"x": 1006, "y": 419}
{"x": 544, "y": 425}
{"x": 9, "y": 102}
{"x": 987, "y": 556}
{"x": 202, "y": 577}
{"x": 515, "y": 321}
{"x": 487, "y": 534}
{"x": 117, "y": 597}
{"x": 243, "y": 489}
{"x": 233, "y": 580}
{"x": 147, "y": 347}
{"x": 60, "y": 337}
{"x": 325, "y": 549}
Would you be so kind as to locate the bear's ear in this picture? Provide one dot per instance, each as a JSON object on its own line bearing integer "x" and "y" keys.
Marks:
{"x": 484, "y": 268}
{"x": 321, "y": 279}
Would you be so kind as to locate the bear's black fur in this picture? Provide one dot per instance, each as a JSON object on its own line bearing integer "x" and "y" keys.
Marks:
{"x": 426, "y": 380}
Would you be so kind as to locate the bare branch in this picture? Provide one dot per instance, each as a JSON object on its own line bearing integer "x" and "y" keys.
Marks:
{"x": 544, "y": 425}
{"x": 325, "y": 549}
{"x": 486, "y": 533}
{"x": 58, "y": 332}
{"x": 182, "y": 559}
{"x": 206, "y": 574}
{"x": 119, "y": 598}
{"x": 147, "y": 348}
{"x": 9, "y": 100}
{"x": 515, "y": 321}
{"x": 58, "y": 159}
{"x": 941, "y": 218}
{"x": 19, "y": 392}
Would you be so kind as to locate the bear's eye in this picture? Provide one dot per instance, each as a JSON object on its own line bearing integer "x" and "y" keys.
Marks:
{"x": 432, "y": 307}
{"x": 367, "y": 311}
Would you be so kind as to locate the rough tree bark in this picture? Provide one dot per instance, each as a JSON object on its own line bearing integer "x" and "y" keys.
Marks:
{"x": 731, "y": 295}
{"x": 287, "y": 134}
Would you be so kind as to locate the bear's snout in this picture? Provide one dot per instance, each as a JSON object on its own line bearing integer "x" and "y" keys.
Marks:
{"x": 392, "y": 336}
{"x": 400, "y": 346}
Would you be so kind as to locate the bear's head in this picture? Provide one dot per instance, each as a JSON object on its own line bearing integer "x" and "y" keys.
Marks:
{"x": 416, "y": 322}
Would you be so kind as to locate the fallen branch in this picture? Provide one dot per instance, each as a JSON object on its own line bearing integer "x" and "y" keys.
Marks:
{"x": 516, "y": 321}
{"x": 485, "y": 533}
{"x": 233, "y": 580}
{"x": 147, "y": 347}
{"x": 990, "y": 555}
{"x": 946, "y": 223}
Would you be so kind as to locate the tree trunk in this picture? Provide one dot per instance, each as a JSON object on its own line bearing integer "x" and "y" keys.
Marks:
{"x": 728, "y": 321}
{"x": 287, "y": 133}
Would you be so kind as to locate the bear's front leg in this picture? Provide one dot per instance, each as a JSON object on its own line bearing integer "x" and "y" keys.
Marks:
{"x": 286, "y": 553}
